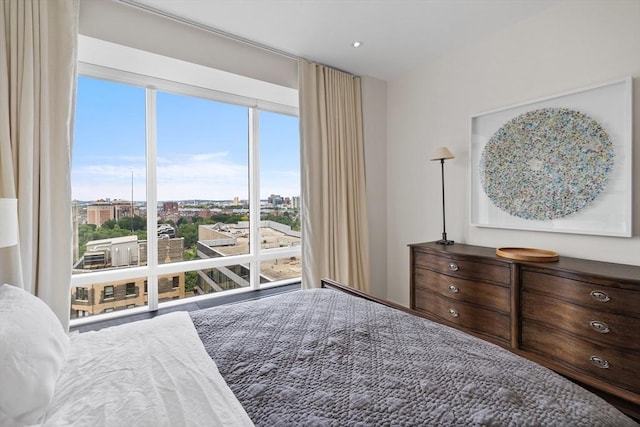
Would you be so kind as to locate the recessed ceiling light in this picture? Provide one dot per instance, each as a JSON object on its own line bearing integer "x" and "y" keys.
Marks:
{"x": 356, "y": 44}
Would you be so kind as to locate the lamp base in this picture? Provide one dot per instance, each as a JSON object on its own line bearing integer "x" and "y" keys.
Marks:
{"x": 445, "y": 242}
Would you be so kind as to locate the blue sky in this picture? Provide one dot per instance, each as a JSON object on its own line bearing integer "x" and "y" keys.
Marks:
{"x": 202, "y": 146}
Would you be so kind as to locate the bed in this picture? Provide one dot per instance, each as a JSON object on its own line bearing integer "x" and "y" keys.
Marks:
{"x": 315, "y": 357}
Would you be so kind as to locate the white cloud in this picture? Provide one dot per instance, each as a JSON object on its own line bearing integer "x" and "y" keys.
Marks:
{"x": 204, "y": 157}
{"x": 184, "y": 177}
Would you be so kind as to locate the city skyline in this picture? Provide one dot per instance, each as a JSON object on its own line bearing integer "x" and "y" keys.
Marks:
{"x": 200, "y": 142}
{"x": 128, "y": 200}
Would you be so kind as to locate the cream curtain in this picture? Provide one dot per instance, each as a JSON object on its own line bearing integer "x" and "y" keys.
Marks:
{"x": 38, "y": 50}
{"x": 334, "y": 216}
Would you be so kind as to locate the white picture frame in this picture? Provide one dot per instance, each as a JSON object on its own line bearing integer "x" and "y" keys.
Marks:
{"x": 610, "y": 213}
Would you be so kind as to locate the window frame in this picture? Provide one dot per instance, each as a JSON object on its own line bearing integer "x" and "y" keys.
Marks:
{"x": 127, "y": 293}
{"x": 85, "y": 292}
{"x": 152, "y": 271}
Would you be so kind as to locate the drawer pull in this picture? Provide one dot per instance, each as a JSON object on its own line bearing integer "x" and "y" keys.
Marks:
{"x": 599, "y": 362}
{"x": 453, "y": 266}
{"x": 453, "y": 312}
{"x": 600, "y": 296}
{"x": 601, "y": 327}
{"x": 454, "y": 289}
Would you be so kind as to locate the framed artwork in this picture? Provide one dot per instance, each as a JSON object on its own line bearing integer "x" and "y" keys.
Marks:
{"x": 559, "y": 164}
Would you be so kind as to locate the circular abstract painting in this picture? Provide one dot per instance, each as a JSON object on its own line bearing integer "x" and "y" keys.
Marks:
{"x": 546, "y": 164}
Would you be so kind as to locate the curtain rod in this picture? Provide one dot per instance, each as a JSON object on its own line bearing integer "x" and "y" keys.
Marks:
{"x": 208, "y": 28}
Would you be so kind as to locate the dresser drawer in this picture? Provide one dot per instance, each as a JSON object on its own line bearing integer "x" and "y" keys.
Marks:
{"x": 592, "y": 295}
{"x": 607, "y": 328}
{"x": 476, "y": 292}
{"x": 464, "y": 268}
{"x": 615, "y": 367}
{"x": 464, "y": 315}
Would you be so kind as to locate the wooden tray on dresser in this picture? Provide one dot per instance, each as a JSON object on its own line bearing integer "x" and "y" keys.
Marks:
{"x": 528, "y": 254}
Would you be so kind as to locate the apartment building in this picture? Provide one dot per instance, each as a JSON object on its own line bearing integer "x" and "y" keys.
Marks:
{"x": 123, "y": 252}
{"x": 122, "y": 294}
{"x": 102, "y": 211}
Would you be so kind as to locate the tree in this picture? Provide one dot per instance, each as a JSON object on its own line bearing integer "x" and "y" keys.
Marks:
{"x": 190, "y": 281}
{"x": 139, "y": 222}
{"x": 125, "y": 223}
{"x": 190, "y": 277}
{"x": 109, "y": 224}
{"x": 189, "y": 254}
{"x": 286, "y": 220}
{"x": 190, "y": 234}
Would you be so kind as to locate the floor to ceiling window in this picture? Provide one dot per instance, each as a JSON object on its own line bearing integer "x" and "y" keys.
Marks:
{"x": 178, "y": 194}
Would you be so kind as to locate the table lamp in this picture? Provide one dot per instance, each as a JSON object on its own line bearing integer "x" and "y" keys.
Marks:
{"x": 442, "y": 154}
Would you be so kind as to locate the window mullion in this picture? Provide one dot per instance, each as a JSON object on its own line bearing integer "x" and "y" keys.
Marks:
{"x": 152, "y": 199}
{"x": 254, "y": 196}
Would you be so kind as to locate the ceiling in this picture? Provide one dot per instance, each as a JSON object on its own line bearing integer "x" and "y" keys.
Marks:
{"x": 396, "y": 35}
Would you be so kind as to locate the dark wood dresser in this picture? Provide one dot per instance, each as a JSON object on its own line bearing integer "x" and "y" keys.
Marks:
{"x": 578, "y": 317}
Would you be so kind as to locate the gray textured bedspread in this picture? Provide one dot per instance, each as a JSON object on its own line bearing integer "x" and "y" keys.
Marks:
{"x": 324, "y": 358}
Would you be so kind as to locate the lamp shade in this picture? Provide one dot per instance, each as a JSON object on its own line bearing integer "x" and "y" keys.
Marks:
{"x": 8, "y": 222}
{"x": 442, "y": 153}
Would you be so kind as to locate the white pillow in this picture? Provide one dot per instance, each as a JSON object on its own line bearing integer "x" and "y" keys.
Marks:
{"x": 33, "y": 348}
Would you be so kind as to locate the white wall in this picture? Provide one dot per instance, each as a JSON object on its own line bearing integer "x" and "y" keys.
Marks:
{"x": 374, "y": 112}
{"x": 572, "y": 45}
